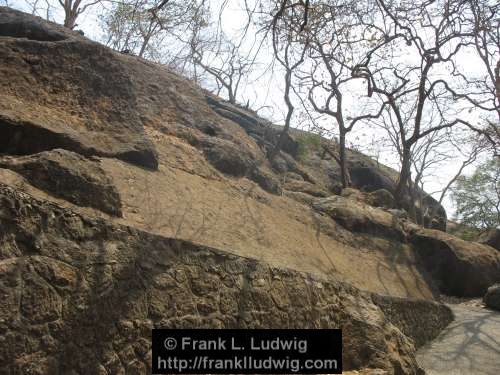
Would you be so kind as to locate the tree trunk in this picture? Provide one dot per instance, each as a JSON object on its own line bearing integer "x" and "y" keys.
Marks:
{"x": 70, "y": 19}
{"x": 401, "y": 188}
{"x": 344, "y": 173}
{"x": 144, "y": 45}
{"x": 231, "y": 96}
{"x": 497, "y": 85}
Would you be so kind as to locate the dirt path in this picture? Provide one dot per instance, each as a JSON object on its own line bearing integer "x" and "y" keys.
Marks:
{"x": 470, "y": 345}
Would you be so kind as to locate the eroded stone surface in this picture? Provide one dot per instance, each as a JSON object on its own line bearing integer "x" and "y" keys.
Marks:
{"x": 70, "y": 176}
{"x": 460, "y": 268}
{"x": 83, "y": 294}
{"x": 358, "y": 217}
{"x": 492, "y": 297}
{"x": 491, "y": 238}
{"x": 72, "y": 94}
{"x": 420, "y": 320}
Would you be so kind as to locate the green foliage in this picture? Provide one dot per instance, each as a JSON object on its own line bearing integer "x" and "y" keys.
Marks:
{"x": 477, "y": 197}
{"x": 308, "y": 142}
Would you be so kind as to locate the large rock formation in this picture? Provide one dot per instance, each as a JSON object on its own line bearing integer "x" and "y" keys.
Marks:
{"x": 460, "y": 268}
{"x": 48, "y": 69}
{"x": 80, "y": 296}
{"x": 131, "y": 199}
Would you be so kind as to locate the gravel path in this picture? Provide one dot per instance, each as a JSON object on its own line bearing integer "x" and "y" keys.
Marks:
{"x": 470, "y": 345}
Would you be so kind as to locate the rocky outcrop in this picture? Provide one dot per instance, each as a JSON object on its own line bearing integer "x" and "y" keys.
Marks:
{"x": 492, "y": 297}
{"x": 370, "y": 176}
{"x": 103, "y": 119}
{"x": 70, "y": 176}
{"x": 227, "y": 157}
{"x": 377, "y": 198}
{"x": 17, "y": 25}
{"x": 460, "y": 268}
{"x": 304, "y": 187}
{"x": 208, "y": 235}
{"x": 358, "y": 217}
{"x": 265, "y": 134}
{"x": 491, "y": 238}
{"x": 82, "y": 295}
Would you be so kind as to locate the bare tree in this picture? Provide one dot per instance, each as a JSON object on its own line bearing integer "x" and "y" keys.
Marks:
{"x": 422, "y": 97}
{"x": 486, "y": 36}
{"x": 289, "y": 45}
{"x": 333, "y": 53}
{"x": 223, "y": 61}
{"x": 73, "y": 9}
{"x": 143, "y": 26}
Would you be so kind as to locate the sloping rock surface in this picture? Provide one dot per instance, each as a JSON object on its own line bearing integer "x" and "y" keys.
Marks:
{"x": 36, "y": 92}
{"x": 82, "y": 295}
{"x": 358, "y": 217}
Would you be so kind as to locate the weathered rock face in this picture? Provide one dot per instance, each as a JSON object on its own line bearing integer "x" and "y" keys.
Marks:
{"x": 104, "y": 118}
{"x": 128, "y": 166}
{"x": 377, "y": 198}
{"x": 460, "y": 268}
{"x": 420, "y": 320}
{"x": 375, "y": 181}
{"x": 491, "y": 238}
{"x": 262, "y": 131}
{"x": 304, "y": 187}
{"x": 358, "y": 217}
{"x": 69, "y": 176}
{"x": 492, "y": 297}
{"x": 82, "y": 295}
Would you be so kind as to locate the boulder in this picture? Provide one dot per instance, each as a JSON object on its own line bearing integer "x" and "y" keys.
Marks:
{"x": 17, "y": 25}
{"x": 382, "y": 198}
{"x": 491, "y": 238}
{"x": 460, "y": 268}
{"x": 227, "y": 157}
{"x": 304, "y": 187}
{"x": 492, "y": 297}
{"x": 377, "y": 198}
{"x": 359, "y": 217}
{"x": 266, "y": 180}
{"x": 67, "y": 175}
{"x": 370, "y": 176}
